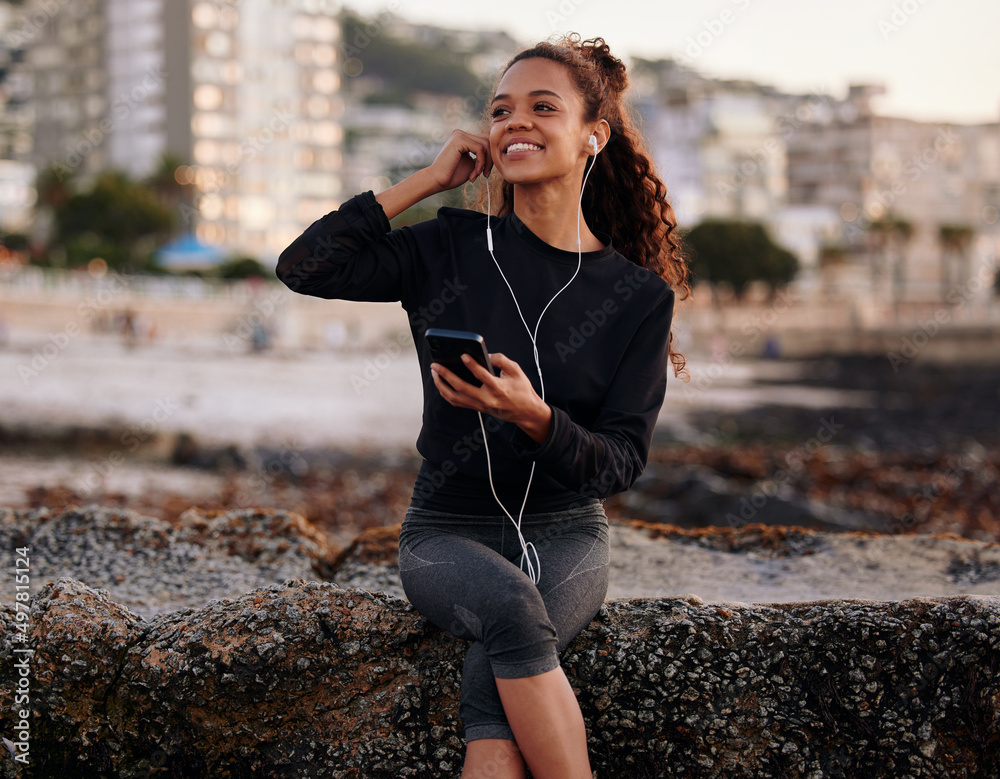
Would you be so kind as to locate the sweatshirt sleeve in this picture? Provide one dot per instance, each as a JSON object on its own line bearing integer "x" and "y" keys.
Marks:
{"x": 608, "y": 457}
{"x": 350, "y": 254}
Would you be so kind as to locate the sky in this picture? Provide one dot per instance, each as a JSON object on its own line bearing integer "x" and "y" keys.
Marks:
{"x": 938, "y": 60}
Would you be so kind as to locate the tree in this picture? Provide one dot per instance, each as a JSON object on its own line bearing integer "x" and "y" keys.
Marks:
{"x": 736, "y": 253}
{"x": 117, "y": 219}
{"x": 243, "y": 268}
{"x": 53, "y": 187}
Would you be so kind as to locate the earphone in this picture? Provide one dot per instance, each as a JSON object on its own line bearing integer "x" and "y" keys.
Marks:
{"x": 534, "y": 568}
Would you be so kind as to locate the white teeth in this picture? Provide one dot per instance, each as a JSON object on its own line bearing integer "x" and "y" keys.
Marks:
{"x": 523, "y": 147}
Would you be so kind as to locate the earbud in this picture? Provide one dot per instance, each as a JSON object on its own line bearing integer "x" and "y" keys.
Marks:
{"x": 593, "y": 144}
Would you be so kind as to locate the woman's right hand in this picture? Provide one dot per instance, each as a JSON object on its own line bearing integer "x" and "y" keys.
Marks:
{"x": 452, "y": 167}
{"x": 455, "y": 165}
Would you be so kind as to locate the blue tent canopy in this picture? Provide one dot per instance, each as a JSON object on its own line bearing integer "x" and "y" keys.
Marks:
{"x": 186, "y": 252}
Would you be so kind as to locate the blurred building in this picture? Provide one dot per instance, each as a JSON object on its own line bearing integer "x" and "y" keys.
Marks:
{"x": 245, "y": 95}
{"x": 916, "y": 201}
{"x": 98, "y": 68}
{"x": 390, "y": 135}
{"x": 387, "y": 142}
{"x": 17, "y": 174}
{"x": 718, "y": 143}
{"x": 875, "y": 207}
{"x": 721, "y": 148}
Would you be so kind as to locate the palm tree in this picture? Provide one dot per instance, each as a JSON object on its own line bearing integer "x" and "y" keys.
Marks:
{"x": 955, "y": 240}
{"x": 831, "y": 257}
{"x": 892, "y": 237}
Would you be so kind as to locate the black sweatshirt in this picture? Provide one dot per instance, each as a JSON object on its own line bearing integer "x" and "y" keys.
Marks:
{"x": 602, "y": 346}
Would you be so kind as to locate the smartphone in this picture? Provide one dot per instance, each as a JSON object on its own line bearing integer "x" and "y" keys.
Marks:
{"x": 448, "y": 346}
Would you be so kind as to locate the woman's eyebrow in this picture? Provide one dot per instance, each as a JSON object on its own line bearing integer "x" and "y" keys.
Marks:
{"x": 534, "y": 93}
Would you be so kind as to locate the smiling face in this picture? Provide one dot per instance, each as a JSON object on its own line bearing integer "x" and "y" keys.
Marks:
{"x": 537, "y": 130}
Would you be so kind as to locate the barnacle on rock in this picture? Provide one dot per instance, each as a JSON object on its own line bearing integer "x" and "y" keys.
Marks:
{"x": 667, "y": 687}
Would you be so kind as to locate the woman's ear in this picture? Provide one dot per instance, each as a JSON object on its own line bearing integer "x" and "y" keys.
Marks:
{"x": 602, "y": 132}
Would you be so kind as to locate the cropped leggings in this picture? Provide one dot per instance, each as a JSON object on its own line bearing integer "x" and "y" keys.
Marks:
{"x": 461, "y": 572}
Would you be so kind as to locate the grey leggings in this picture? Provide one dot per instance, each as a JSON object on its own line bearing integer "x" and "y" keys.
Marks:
{"x": 461, "y": 572}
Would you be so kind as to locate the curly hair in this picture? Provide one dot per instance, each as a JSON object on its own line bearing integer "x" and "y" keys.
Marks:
{"x": 626, "y": 198}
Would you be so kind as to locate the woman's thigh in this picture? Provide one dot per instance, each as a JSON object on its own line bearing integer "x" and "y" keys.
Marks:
{"x": 575, "y": 556}
{"x": 467, "y": 588}
{"x": 463, "y": 577}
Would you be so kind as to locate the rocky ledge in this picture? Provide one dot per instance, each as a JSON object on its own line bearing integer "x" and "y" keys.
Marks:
{"x": 307, "y": 679}
{"x": 182, "y": 657}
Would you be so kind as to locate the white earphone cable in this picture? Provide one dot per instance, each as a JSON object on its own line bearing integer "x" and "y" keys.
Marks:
{"x": 528, "y": 551}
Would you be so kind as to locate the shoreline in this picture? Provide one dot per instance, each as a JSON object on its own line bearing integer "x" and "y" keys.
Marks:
{"x": 835, "y": 443}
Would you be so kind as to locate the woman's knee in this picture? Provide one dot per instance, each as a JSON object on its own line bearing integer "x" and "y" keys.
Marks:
{"x": 518, "y": 634}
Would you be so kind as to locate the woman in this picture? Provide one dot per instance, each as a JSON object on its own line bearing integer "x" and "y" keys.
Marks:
{"x": 505, "y": 543}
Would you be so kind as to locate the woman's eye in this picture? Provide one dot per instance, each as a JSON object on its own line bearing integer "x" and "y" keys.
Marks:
{"x": 538, "y": 107}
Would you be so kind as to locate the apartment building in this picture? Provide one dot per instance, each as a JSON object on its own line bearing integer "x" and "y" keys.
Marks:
{"x": 720, "y": 146}
{"x": 17, "y": 174}
{"x": 245, "y": 93}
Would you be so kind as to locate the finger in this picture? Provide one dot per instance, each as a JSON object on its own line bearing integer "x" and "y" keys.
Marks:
{"x": 473, "y": 158}
{"x": 455, "y": 398}
{"x": 450, "y": 385}
{"x": 482, "y": 159}
{"x": 505, "y": 364}
{"x": 487, "y": 156}
{"x": 442, "y": 374}
{"x": 479, "y": 147}
{"x": 483, "y": 374}
{"x": 444, "y": 388}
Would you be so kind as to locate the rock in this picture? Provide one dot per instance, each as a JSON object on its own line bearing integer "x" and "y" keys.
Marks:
{"x": 695, "y": 496}
{"x": 312, "y": 680}
{"x": 290, "y": 680}
{"x": 188, "y": 452}
{"x": 153, "y": 566}
{"x": 266, "y": 537}
{"x": 371, "y": 562}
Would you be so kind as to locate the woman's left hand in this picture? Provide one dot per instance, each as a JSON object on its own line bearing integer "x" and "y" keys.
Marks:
{"x": 508, "y": 396}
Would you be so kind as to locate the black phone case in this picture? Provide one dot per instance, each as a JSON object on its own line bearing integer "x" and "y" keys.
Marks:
{"x": 448, "y": 346}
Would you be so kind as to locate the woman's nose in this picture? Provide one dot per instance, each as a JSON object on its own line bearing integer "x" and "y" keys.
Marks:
{"x": 518, "y": 120}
